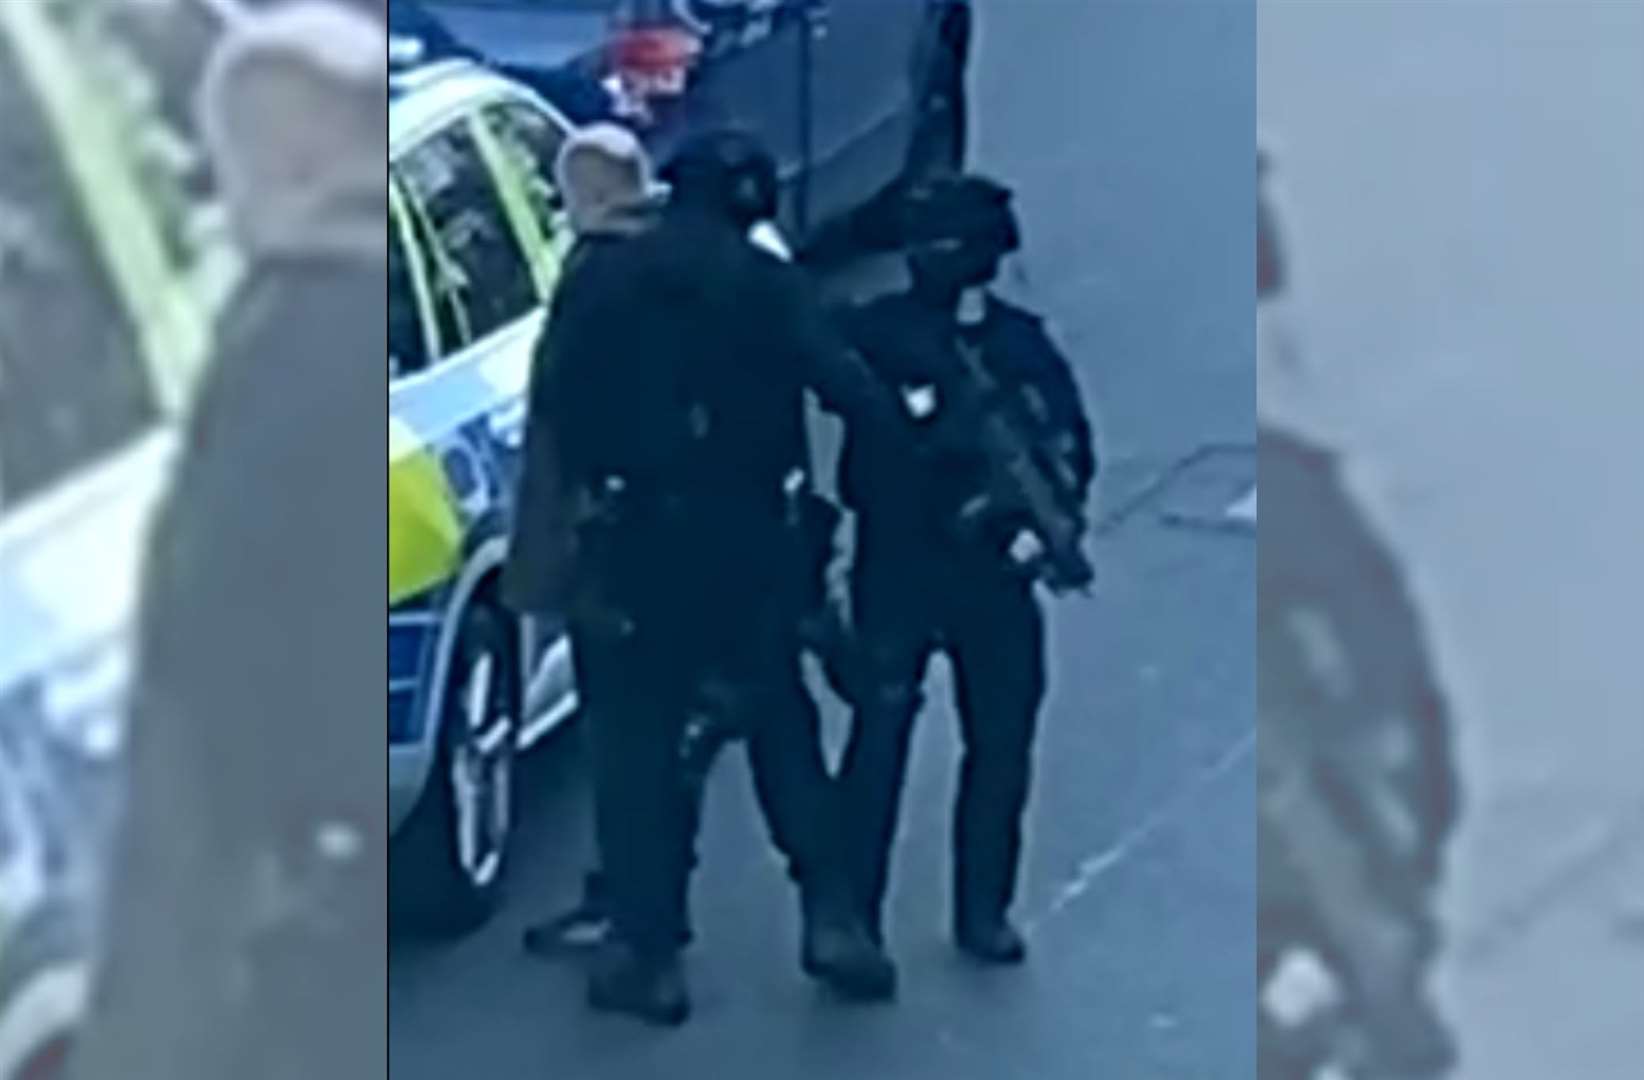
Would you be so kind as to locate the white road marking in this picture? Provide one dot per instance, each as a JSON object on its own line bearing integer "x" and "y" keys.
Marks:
{"x": 1092, "y": 869}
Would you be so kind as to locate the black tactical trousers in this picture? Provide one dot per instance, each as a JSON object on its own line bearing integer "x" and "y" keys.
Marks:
{"x": 989, "y": 624}
{"x": 639, "y": 692}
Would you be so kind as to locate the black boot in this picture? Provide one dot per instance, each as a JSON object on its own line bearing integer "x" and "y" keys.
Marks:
{"x": 583, "y": 928}
{"x": 838, "y": 951}
{"x": 990, "y": 941}
{"x": 651, "y": 988}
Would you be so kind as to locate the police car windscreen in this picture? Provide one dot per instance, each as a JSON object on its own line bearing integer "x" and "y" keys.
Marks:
{"x": 72, "y": 381}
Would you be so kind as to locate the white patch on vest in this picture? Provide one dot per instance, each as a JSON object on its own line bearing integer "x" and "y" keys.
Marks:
{"x": 1026, "y": 548}
{"x": 767, "y": 236}
{"x": 921, "y": 401}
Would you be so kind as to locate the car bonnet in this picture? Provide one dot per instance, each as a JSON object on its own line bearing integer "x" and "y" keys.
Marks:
{"x": 70, "y": 560}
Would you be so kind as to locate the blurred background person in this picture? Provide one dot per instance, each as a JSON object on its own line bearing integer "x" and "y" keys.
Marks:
{"x": 1468, "y": 241}
{"x": 1358, "y": 793}
{"x": 246, "y": 936}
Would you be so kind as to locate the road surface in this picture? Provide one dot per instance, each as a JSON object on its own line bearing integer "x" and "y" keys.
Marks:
{"x": 1126, "y": 128}
{"x": 1463, "y": 183}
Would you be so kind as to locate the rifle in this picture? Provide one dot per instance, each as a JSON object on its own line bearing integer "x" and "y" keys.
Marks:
{"x": 1025, "y": 474}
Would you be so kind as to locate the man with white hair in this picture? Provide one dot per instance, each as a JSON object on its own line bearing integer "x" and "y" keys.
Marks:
{"x": 604, "y": 176}
{"x": 246, "y": 936}
{"x": 610, "y": 194}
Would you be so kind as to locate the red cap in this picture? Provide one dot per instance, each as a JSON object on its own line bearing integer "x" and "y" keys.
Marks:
{"x": 653, "y": 50}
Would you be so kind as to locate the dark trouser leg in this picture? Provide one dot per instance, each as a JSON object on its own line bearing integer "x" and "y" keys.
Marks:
{"x": 791, "y": 776}
{"x": 579, "y": 925}
{"x": 895, "y": 651}
{"x": 643, "y": 819}
{"x": 997, "y": 648}
{"x": 871, "y": 781}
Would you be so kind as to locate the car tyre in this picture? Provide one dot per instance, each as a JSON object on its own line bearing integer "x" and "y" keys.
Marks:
{"x": 447, "y": 863}
{"x": 43, "y": 991}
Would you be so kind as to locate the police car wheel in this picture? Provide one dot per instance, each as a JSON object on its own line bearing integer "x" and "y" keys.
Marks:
{"x": 448, "y": 862}
{"x": 43, "y": 986}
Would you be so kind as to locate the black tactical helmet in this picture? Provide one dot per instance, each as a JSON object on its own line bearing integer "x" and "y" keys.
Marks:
{"x": 957, "y": 229}
{"x": 727, "y": 172}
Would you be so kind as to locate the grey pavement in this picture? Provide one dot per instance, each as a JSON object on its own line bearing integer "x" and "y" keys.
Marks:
{"x": 1463, "y": 207}
{"x": 1126, "y": 129}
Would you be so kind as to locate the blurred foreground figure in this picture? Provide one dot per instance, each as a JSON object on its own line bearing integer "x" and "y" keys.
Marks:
{"x": 246, "y": 936}
{"x": 952, "y": 540}
{"x": 1357, "y": 791}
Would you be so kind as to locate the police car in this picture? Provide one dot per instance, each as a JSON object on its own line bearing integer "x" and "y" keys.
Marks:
{"x": 476, "y": 241}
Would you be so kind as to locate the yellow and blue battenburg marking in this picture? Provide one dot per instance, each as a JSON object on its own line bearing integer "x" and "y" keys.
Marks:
{"x": 424, "y": 529}
{"x": 453, "y": 458}
{"x": 455, "y": 436}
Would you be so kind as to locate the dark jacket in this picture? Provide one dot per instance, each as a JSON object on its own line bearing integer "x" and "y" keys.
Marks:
{"x": 677, "y": 360}
{"x": 261, "y": 650}
{"x": 910, "y": 344}
{"x": 550, "y": 513}
{"x": 1325, "y": 571}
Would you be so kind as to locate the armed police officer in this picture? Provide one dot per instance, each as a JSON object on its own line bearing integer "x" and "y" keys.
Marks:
{"x": 951, "y": 541}
{"x": 671, "y": 382}
{"x": 605, "y": 177}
